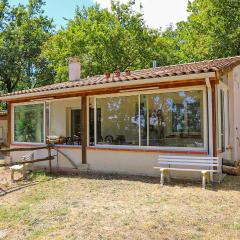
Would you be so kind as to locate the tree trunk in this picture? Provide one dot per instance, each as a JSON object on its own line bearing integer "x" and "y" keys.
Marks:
{"x": 8, "y": 85}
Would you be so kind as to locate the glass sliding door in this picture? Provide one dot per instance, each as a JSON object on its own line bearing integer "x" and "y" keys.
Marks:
{"x": 117, "y": 120}
{"x": 164, "y": 119}
{"x": 172, "y": 119}
{"x": 223, "y": 118}
{"x": 29, "y": 123}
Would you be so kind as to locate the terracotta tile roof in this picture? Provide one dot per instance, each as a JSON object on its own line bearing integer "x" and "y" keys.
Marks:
{"x": 217, "y": 65}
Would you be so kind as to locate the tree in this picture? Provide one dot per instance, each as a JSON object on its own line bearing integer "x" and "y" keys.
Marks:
{"x": 23, "y": 30}
{"x": 211, "y": 31}
{"x": 105, "y": 41}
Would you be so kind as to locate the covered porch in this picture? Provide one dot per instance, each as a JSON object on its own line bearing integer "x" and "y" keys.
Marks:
{"x": 120, "y": 132}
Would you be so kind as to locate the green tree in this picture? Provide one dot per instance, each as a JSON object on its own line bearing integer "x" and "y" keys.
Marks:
{"x": 105, "y": 41}
{"x": 211, "y": 31}
{"x": 23, "y": 30}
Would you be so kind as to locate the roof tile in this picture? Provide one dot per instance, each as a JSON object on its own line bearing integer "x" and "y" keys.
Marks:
{"x": 164, "y": 71}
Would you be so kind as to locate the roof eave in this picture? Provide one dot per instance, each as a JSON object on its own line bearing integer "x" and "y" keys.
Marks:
{"x": 195, "y": 76}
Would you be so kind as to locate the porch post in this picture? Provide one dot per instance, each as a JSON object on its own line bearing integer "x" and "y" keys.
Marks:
{"x": 9, "y": 124}
{"x": 210, "y": 117}
{"x": 214, "y": 117}
{"x": 84, "y": 129}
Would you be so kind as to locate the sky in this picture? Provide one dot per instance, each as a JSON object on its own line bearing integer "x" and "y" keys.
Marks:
{"x": 157, "y": 13}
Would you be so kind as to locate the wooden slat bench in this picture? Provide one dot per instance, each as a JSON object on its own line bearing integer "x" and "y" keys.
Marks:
{"x": 205, "y": 165}
{"x": 22, "y": 167}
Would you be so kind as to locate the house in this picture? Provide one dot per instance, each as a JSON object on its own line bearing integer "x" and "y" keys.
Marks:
{"x": 121, "y": 122}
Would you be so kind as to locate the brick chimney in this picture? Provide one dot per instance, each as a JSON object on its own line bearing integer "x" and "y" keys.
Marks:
{"x": 74, "y": 68}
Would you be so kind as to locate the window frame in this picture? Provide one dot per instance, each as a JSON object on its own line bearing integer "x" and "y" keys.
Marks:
{"x": 70, "y": 123}
{"x": 148, "y": 92}
{"x": 225, "y": 90}
{"x": 44, "y": 122}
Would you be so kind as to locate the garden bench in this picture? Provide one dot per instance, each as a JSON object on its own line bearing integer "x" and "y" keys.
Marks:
{"x": 204, "y": 165}
{"x": 21, "y": 167}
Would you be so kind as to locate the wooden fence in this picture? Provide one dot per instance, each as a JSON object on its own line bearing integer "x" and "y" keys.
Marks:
{"x": 49, "y": 158}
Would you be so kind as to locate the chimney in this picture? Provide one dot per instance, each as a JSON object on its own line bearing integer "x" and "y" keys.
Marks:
{"x": 74, "y": 68}
{"x": 154, "y": 62}
{"x": 107, "y": 74}
{"x": 127, "y": 72}
{"x": 117, "y": 73}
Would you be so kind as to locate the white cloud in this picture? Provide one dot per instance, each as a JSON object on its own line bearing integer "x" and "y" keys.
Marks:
{"x": 158, "y": 13}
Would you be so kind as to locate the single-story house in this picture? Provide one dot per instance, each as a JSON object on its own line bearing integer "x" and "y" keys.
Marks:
{"x": 120, "y": 122}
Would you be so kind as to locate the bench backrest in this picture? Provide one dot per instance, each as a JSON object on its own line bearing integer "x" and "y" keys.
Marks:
{"x": 27, "y": 157}
{"x": 198, "y": 162}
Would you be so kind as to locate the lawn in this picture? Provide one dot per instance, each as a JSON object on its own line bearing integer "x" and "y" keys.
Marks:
{"x": 91, "y": 206}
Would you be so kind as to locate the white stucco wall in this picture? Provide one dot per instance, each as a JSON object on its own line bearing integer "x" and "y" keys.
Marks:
{"x": 107, "y": 161}
{"x": 234, "y": 103}
{"x": 129, "y": 162}
{"x": 58, "y": 115}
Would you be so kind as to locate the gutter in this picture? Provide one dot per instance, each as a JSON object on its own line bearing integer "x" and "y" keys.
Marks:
{"x": 197, "y": 76}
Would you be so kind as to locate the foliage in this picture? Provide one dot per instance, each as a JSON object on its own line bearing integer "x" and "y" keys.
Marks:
{"x": 23, "y": 30}
{"x": 31, "y": 55}
{"x": 211, "y": 31}
{"x": 105, "y": 41}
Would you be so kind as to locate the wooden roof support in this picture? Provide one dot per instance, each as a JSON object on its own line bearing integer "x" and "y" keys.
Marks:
{"x": 210, "y": 116}
{"x": 84, "y": 129}
{"x": 9, "y": 124}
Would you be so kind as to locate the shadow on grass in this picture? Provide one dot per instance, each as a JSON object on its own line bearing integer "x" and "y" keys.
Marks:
{"x": 230, "y": 183}
{"x": 183, "y": 183}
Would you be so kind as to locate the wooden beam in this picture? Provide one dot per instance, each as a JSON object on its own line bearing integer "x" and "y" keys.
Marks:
{"x": 84, "y": 129}
{"x": 9, "y": 124}
{"x": 214, "y": 119}
{"x": 24, "y": 162}
{"x": 20, "y": 149}
{"x": 210, "y": 117}
{"x": 161, "y": 85}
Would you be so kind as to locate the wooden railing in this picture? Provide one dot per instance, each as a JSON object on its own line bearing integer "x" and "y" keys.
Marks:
{"x": 49, "y": 158}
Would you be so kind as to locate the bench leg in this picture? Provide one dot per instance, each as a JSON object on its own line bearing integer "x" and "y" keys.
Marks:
{"x": 168, "y": 176}
{"x": 205, "y": 178}
{"x": 162, "y": 177}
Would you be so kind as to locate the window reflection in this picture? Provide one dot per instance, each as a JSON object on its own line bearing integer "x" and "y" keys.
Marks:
{"x": 118, "y": 120}
{"x": 172, "y": 119}
{"x": 28, "y": 123}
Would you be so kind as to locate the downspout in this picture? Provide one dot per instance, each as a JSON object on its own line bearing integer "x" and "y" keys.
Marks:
{"x": 210, "y": 117}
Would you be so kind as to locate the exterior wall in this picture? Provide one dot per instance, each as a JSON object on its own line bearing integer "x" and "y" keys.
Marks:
{"x": 234, "y": 100}
{"x": 131, "y": 162}
{"x": 58, "y": 115}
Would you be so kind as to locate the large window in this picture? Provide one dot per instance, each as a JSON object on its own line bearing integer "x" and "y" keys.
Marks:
{"x": 29, "y": 123}
{"x": 118, "y": 120}
{"x": 172, "y": 119}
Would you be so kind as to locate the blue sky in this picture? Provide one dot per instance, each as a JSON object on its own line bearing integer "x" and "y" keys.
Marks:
{"x": 59, "y": 9}
{"x": 158, "y": 13}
